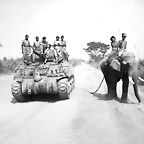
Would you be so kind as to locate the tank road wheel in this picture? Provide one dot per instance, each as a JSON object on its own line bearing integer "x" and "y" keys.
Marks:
{"x": 17, "y": 92}
{"x": 63, "y": 89}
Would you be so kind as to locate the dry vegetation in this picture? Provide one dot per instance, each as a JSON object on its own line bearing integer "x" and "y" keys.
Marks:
{"x": 7, "y": 66}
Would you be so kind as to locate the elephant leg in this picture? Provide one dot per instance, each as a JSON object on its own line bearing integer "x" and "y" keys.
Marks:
{"x": 111, "y": 82}
{"x": 111, "y": 86}
{"x": 136, "y": 92}
{"x": 107, "y": 80}
{"x": 125, "y": 90}
{"x": 134, "y": 77}
{"x": 112, "y": 90}
{"x": 108, "y": 84}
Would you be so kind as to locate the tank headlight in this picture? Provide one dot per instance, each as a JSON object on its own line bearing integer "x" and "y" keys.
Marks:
{"x": 62, "y": 87}
{"x": 37, "y": 77}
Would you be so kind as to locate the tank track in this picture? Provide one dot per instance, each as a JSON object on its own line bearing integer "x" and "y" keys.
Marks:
{"x": 17, "y": 92}
{"x": 65, "y": 87}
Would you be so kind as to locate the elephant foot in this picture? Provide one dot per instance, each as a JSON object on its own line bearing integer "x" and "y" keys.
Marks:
{"x": 124, "y": 100}
{"x": 109, "y": 96}
{"x": 112, "y": 96}
{"x": 116, "y": 98}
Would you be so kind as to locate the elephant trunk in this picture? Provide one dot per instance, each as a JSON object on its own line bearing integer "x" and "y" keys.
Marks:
{"x": 135, "y": 86}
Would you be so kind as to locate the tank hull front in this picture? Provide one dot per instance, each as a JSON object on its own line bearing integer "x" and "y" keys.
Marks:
{"x": 46, "y": 85}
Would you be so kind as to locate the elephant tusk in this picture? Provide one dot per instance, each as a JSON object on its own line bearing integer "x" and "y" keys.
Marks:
{"x": 130, "y": 79}
{"x": 141, "y": 79}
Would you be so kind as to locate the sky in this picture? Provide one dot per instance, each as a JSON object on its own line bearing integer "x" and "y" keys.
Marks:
{"x": 80, "y": 21}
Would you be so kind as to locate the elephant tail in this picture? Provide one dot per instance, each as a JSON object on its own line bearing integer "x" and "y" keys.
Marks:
{"x": 97, "y": 88}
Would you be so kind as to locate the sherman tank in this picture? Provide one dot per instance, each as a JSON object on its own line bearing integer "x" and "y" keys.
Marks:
{"x": 50, "y": 78}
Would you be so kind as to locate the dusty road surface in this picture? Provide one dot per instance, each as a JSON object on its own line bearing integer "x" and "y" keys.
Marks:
{"x": 83, "y": 119}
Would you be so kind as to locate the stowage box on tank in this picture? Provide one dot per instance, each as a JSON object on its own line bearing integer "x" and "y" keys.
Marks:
{"x": 50, "y": 78}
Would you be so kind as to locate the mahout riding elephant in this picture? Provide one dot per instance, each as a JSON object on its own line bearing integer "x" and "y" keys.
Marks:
{"x": 120, "y": 68}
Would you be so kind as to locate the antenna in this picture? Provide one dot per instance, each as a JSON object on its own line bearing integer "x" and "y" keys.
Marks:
{"x": 119, "y": 32}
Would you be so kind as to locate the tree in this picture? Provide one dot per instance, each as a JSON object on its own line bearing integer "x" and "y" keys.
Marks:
{"x": 96, "y": 50}
{"x": 1, "y": 67}
{"x": 4, "y": 59}
{"x": 8, "y": 65}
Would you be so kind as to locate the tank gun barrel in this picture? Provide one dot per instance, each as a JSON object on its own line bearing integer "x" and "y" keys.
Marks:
{"x": 35, "y": 52}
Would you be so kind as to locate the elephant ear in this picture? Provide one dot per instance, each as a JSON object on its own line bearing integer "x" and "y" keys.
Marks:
{"x": 129, "y": 58}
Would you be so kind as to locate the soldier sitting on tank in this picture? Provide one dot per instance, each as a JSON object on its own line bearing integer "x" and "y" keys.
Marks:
{"x": 26, "y": 49}
{"x": 49, "y": 54}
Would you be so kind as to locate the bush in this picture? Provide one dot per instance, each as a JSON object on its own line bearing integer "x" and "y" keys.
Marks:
{"x": 76, "y": 62}
{"x": 8, "y": 65}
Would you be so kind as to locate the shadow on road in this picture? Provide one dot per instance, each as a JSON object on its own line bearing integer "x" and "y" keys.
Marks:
{"x": 104, "y": 97}
{"x": 40, "y": 98}
{"x": 13, "y": 100}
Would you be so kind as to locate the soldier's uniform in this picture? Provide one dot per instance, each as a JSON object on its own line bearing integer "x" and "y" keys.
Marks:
{"x": 114, "y": 49}
{"x": 43, "y": 45}
{"x": 63, "y": 49}
{"x": 49, "y": 54}
{"x": 57, "y": 48}
{"x": 36, "y": 45}
{"x": 118, "y": 49}
{"x": 122, "y": 44}
{"x": 26, "y": 50}
{"x": 114, "y": 46}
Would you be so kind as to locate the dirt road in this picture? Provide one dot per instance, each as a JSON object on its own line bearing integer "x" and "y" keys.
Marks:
{"x": 83, "y": 119}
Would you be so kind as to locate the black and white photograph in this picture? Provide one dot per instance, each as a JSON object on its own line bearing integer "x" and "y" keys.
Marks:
{"x": 71, "y": 71}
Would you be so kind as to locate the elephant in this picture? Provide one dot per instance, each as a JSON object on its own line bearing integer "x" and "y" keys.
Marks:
{"x": 119, "y": 68}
